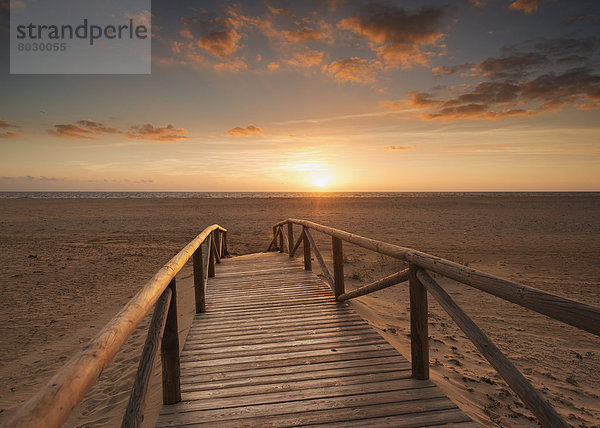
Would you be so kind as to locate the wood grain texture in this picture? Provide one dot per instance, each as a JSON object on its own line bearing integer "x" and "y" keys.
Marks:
{"x": 544, "y": 412}
{"x": 577, "y": 314}
{"x": 388, "y": 281}
{"x": 169, "y": 352}
{"x": 419, "y": 326}
{"x": 51, "y": 406}
{"x": 276, "y": 349}
{"x": 199, "y": 280}
{"x": 324, "y": 268}
{"x": 134, "y": 414}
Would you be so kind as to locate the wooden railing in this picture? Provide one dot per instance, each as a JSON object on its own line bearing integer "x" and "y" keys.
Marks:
{"x": 580, "y": 315}
{"x": 53, "y": 404}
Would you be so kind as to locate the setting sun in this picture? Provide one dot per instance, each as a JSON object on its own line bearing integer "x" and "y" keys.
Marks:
{"x": 320, "y": 179}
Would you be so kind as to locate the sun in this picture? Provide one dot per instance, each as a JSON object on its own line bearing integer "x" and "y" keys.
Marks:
{"x": 320, "y": 179}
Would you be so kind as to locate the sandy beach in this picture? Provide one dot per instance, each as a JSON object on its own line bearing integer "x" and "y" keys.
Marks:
{"x": 68, "y": 265}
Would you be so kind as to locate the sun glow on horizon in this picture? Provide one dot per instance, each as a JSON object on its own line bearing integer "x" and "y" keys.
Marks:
{"x": 320, "y": 179}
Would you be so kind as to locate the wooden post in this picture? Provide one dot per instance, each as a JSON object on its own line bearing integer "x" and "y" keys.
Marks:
{"x": 319, "y": 258}
{"x": 211, "y": 257}
{"x": 225, "y": 252}
{"x": 199, "y": 281}
{"x": 134, "y": 415}
{"x": 280, "y": 239}
{"x": 218, "y": 245}
{"x": 419, "y": 328}
{"x": 169, "y": 353}
{"x": 307, "y": 255}
{"x": 338, "y": 266}
{"x": 215, "y": 251}
{"x": 291, "y": 239}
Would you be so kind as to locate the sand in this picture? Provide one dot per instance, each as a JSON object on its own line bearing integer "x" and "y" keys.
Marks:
{"x": 68, "y": 265}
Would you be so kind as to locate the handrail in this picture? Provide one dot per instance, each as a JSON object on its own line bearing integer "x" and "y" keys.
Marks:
{"x": 577, "y": 314}
{"x": 51, "y": 406}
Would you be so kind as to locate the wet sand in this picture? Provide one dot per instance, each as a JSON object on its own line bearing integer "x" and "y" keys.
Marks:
{"x": 68, "y": 265}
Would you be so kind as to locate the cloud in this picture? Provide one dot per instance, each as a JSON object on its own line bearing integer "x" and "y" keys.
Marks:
{"x": 306, "y": 59}
{"x": 567, "y": 46}
{"x": 550, "y": 75}
{"x": 498, "y": 99}
{"x": 526, "y": 6}
{"x": 234, "y": 65}
{"x": 352, "y": 70}
{"x": 396, "y": 35}
{"x": 444, "y": 70}
{"x": 7, "y": 129}
{"x": 87, "y": 129}
{"x": 248, "y": 131}
{"x": 159, "y": 133}
{"x": 556, "y": 90}
{"x": 304, "y": 34}
{"x": 397, "y": 148}
{"x": 580, "y": 18}
{"x": 221, "y": 44}
{"x": 516, "y": 65}
{"x": 32, "y": 178}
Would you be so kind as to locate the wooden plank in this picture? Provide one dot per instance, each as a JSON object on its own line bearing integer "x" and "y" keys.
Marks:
{"x": 256, "y": 373}
{"x": 247, "y": 331}
{"x": 428, "y": 417}
{"x": 276, "y": 349}
{"x": 268, "y": 337}
{"x": 265, "y": 319}
{"x": 402, "y": 400}
{"x": 198, "y": 383}
{"x": 428, "y": 413}
{"x": 285, "y": 360}
{"x": 361, "y": 381}
{"x": 418, "y": 389}
{"x": 287, "y": 346}
{"x": 283, "y": 352}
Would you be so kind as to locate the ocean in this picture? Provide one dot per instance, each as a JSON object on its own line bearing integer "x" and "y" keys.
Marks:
{"x": 265, "y": 195}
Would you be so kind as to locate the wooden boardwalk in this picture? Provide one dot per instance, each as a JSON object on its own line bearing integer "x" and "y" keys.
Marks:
{"x": 275, "y": 349}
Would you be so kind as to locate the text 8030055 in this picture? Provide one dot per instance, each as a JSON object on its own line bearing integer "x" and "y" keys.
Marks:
{"x": 42, "y": 47}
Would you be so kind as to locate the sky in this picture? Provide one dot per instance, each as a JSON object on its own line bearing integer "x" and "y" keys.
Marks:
{"x": 322, "y": 95}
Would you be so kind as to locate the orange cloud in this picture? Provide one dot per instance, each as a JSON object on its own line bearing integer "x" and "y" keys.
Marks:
{"x": 159, "y": 133}
{"x": 233, "y": 65}
{"x": 306, "y": 59}
{"x": 7, "y": 129}
{"x": 396, "y": 35}
{"x": 87, "y": 129}
{"x": 351, "y": 70}
{"x": 526, "y": 6}
{"x": 302, "y": 35}
{"x": 250, "y": 130}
